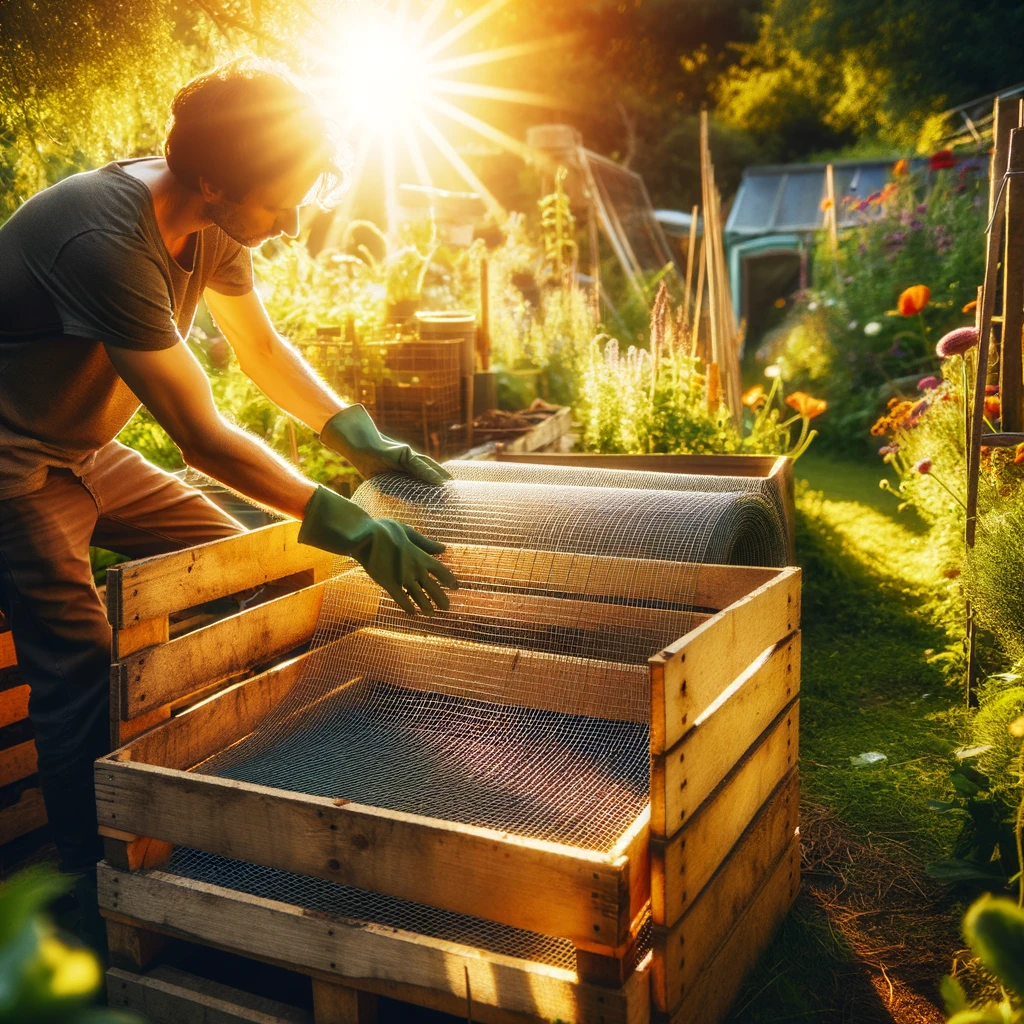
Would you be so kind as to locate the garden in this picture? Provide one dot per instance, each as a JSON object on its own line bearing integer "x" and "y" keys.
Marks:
{"x": 464, "y": 312}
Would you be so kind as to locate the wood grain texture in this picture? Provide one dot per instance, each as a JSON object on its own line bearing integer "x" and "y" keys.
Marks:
{"x": 166, "y": 995}
{"x": 681, "y": 866}
{"x": 151, "y": 587}
{"x": 13, "y": 704}
{"x": 714, "y": 992}
{"x": 339, "y": 1004}
{"x": 683, "y": 777}
{"x": 7, "y": 655}
{"x": 693, "y": 672}
{"x": 18, "y": 762}
{"x": 28, "y": 814}
{"x": 682, "y": 951}
{"x": 546, "y": 887}
{"x": 365, "y": 955}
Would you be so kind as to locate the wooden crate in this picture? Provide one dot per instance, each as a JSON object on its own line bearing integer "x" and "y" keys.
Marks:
{"x": 712, "y": 855}
{"x": 21, "y": 802}
{"x": 775, "y": 471}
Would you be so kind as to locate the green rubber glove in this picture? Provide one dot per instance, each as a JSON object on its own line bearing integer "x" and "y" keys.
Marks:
{"x": 393, "y": 554}
{"x": 353, "y": 435}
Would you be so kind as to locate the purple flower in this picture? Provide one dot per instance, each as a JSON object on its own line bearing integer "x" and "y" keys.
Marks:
{"x": 915, "y": 224}
{"x": 928, "y": 383}
{"x": 922, "y": 208}
{"x": 957, "y": 342}
{"x": 894, "y": 240}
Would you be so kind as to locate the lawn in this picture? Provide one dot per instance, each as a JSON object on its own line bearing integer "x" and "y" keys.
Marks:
{"x": 871, "y": 934}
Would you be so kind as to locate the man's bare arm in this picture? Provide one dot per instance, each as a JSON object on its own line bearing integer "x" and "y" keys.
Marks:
{"x": 270, "y": 362}
{"x": 172, "y": 385}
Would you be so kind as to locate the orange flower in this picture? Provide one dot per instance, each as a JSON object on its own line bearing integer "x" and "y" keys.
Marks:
{"x": 780, "y": 303}
{"x": 805, "y": 405}
{"x": 901, "y": 168}
{"x": 826, "y": 204}
{"x": 714, "y": 388}
{"x": 970, "y": 307}
{"x": 753, "y": 397}
{"x": 887, "y": 192}
{"x": 1018, "y": 456}
{"x": 913, "y": 299}
{"x": 992, "y": 407}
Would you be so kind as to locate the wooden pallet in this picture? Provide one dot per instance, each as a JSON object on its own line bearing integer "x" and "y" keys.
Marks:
{"x": 21, "y": 802}
{"x": 713, "y": 844}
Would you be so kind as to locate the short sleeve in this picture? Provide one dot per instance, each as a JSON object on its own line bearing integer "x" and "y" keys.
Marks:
{"x": 233, "y": 273}
{"x": 107, "y": 288}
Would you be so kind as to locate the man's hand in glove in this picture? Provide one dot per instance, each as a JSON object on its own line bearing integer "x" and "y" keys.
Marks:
{"x": 353, "y": 435}
{"x": 393, "y": 554}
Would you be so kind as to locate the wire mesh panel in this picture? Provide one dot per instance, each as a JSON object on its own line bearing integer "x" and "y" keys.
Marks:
{"x": 525, "y": 707}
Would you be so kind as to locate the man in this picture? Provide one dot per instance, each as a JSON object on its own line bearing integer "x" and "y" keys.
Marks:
{"x": 100, "y": 276}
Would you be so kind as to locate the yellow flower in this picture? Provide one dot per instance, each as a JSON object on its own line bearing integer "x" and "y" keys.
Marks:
{"x": 753, "y": 397}
{"x": 805, "y": 405}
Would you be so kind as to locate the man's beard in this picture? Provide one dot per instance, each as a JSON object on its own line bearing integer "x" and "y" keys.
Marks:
{"x": 227, "y": 218}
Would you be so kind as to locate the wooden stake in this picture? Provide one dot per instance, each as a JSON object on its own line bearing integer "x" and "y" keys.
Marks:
{"x": 695, "y": 336}
{"x": 690, "y": 246}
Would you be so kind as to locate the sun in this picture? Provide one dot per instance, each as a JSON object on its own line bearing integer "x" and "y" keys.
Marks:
{"x": 388, "y": 79}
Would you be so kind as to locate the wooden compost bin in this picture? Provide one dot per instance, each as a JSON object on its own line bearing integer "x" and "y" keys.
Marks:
{"x": 713, "y": 860}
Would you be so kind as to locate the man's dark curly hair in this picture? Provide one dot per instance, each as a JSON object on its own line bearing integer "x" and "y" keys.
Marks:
{"x": 248, "y": 122}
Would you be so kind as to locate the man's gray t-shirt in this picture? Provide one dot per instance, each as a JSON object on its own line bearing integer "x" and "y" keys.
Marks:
{"x": 82, "y": 264}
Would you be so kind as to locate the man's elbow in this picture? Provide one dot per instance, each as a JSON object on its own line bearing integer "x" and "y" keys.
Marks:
{"x": 201, "y": 449}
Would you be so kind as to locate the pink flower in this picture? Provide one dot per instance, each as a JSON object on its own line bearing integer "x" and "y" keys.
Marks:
{"x": 928, "y": 383}
{"x": 889, "y": 449}
{"x": 957, "y": 342}
{"x": 924, "y": 466}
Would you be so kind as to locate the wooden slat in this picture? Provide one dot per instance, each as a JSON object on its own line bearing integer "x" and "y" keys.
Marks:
{"x": 682, "y": 951}
{"x": 714, "y": 992}
{"x": 189, "y": 738}
{"x": 13, "y": 704}
{"x": 683, "y": 777}
{"x": 7, "y": 655}
{"x": 546, "y": 887}
{"x": 339, "y": 1004}
{"x": 17, "y": 762}
{"x": 152, "y": 587}
{"x": 229, "y": 647}
{"x": 1011, "y": 362}
{"x": 27, "y": 814}
{"x": 689, "y": 675}
{"x": 1005, "y": 440}
{"x": 166, "y": 995}
{"x": 366, "y": 955}
{"x": 711, "y": 465}
{"x": 704, "y": 586}
{"x": 682, "y": 865}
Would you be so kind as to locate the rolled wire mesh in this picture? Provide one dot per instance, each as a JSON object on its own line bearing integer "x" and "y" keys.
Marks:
{"x": 525, "y": 706}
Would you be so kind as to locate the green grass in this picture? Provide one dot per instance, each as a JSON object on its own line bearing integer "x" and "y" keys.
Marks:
{"x": 872, "y": 680}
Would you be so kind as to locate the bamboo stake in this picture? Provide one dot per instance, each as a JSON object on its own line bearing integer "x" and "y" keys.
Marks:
{"x": 832, "y": 221}
{"x": 699, "y": 298}
{"x": 691, "y": 245}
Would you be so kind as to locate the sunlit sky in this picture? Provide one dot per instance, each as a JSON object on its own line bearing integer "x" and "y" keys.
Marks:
{"x": 401, "y": 84}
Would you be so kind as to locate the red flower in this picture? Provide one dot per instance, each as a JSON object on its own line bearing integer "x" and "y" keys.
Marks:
{"x": 913, "y": 299}
{"x": 957, "y": 342}
{"x": 941, "y": 161}
{"x": 924, "y": 466}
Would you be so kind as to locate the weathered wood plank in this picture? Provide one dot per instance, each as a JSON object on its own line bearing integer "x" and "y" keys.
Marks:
{"x": 715, "y": 990}
{"x": 151, "y": 587}
{"x": 684, "y": 776}
{"x": 159, "y": 675}
{"x": 167, "y": 995}
{"x": 28, "y": 814}
{"x": 690, "y": 674}
{"x": 366, "y": 955}
{"x": 339, "y": 1004}
{"x": 682, "y": 865}
{"x": 17, "y": 762}
{"x": 7, "y": 655}
{"x": 712, "y": 465}
{"x": 682, "y": 951}
{"x": 13, "y": 704}
{"x": 131, "y": 945}
{"x": 559, "y": 890}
